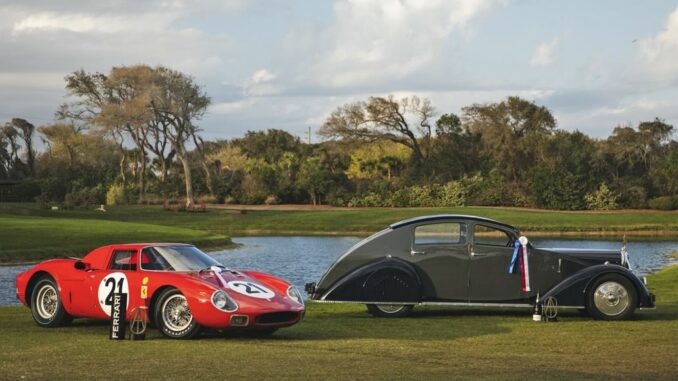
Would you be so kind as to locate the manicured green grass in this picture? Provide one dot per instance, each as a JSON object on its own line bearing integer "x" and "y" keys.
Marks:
{"x": 28, "y": 232}
{"x": 363, "y": 221}
{"x": 343, "y": 342}
{"x": 24, "y": 238}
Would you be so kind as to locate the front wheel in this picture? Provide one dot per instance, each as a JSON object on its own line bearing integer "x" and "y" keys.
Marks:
{"x": 612, "y": 297}
{"x": 46, "y": 306}
{"x": 389, "y": 310}
{"x": 173, "y": 317}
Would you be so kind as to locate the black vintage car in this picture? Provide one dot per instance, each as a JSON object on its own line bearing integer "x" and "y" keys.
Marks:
{"x": 473, "y": 261}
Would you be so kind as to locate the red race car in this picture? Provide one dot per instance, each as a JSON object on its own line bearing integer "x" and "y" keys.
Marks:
{"x": 183, "y": 288}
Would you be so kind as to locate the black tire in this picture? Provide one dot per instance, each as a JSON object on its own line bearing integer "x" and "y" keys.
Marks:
{"x": 612, "y": 297}
{"x": 389, "y": 310}
{"x": 46, "y": 306}
{"x": 390, "y": 286}
{"x": 173, "y": 317}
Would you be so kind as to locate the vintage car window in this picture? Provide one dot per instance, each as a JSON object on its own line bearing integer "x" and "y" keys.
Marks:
{"x": 490, "y": 236}
{"x": 123, "y": 260}
{"x": 175, "y": 258}
{"x": 440, "y": 234}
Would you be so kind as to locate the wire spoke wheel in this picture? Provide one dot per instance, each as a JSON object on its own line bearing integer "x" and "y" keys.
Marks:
{"x": 46, "y": 307}
{"x": 175, "y": 313}
{"x": 47, "y": 302}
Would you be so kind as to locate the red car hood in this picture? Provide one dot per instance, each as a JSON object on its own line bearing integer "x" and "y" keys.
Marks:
{"x": 247, "y": 290}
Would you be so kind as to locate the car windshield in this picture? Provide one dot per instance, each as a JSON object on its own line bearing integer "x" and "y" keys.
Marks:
{"x": 175, "y": 258}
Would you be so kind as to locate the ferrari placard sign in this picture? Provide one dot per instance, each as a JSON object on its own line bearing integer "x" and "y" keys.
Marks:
{"x": 118, "y": 312}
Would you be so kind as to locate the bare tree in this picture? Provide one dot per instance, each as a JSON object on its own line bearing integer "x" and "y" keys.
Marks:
{"x": 25, "y": 132}
{"x": 179, "y": 102}
{"x": 405, "y": 122}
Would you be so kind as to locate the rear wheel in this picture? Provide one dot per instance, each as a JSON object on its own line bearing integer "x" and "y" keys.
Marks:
{"x": 173, "y": 317}
{"x": 46, "y": 306}
{"x": 612, "y": 297}
{"x": 389, "y": 310}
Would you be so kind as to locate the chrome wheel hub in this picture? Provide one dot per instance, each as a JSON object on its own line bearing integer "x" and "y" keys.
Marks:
{"x": 611, "y": 298}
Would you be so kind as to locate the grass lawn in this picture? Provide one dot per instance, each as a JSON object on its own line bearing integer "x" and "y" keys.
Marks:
{"x": 26, "y": 238}
{"x": 343, "y": 342}
{"x": 27, "y": 232}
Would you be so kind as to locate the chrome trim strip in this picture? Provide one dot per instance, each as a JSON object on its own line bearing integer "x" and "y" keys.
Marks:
{"x": 451, "y": 304}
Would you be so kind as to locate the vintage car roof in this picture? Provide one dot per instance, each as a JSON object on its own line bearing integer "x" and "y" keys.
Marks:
{"x": 436, "y": 217}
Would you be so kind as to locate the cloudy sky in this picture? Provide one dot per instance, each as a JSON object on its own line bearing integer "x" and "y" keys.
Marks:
{"x": 288, "y": 64}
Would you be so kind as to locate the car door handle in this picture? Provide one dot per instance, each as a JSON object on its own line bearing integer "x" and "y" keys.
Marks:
{"x": 414, "y": 252}
{"x": 474, "y": 254}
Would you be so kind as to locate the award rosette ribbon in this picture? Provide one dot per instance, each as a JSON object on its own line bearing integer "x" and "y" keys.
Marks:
{"x": 520, "y": 258}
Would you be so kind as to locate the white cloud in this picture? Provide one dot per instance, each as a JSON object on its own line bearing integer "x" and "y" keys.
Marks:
{"x": 659, "y": 54}
{"x": 262, "y": 75}
{"x": 80, "y": 23}
{"x": 233, "y": 107}
{"x": 36, "y": 80}
{"x": 261, "y": 83}
{"x": 377, "y": 40}
{"x": 543, "y": 54}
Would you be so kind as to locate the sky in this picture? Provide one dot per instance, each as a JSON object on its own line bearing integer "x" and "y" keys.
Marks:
{"x": 288, "y": 64}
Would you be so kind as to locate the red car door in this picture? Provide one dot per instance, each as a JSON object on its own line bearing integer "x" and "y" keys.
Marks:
{"x": 99, "y": 285}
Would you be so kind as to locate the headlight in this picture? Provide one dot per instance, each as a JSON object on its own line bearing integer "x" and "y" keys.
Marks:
{"x": 222, "y": 301}
{"x": 295, "y": 295}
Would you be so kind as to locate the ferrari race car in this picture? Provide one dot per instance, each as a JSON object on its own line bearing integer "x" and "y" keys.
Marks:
{"x": 182, "y": 288}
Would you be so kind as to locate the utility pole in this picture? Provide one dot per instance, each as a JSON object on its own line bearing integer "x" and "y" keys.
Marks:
{"x": 309, "y": 135}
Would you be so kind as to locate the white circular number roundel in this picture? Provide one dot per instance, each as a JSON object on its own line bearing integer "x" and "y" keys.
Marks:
{"x": 250, "y": 289}
{"x": 112, "y": 283}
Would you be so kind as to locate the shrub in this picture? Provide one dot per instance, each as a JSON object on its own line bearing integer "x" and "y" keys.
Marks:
{"x": 452, "y": 194}
{"x": 664, "y": 203}
{"x": 602, "y": 199}
{"x": 421, "y": 195}
{"x": 84, "y": 197}
{"x": 27, "y": 190}
{"x": 370, "y": 199}
{"x": 117, "y": 194}
{"x": 271, "y": 199}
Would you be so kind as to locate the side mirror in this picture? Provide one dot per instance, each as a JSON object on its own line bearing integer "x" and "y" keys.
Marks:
{"x": 80, "y": 265}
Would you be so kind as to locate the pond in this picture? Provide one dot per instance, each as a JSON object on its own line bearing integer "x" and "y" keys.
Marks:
{"x": 304, "y": 259}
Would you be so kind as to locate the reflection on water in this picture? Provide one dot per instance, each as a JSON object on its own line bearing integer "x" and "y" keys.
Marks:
{"x": 304, "y": 259}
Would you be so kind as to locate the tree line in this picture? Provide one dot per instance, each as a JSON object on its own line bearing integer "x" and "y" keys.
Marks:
{"x": 132, "y": 136}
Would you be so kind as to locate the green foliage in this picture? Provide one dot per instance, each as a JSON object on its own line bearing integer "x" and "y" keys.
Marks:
{"x": 85, "y": 197}
{"x": 27, "y": 190}
{"x": 488, "y": 190}
{"x": 664, "y": 203}
{"x": 602, "y": 199}
{"x": 507, "y": 153}
{"x": 315, "y": 178}
{"x": 451, "y": 194}
{"x": 554, "y": 189}
{"x": 117, "y": 194}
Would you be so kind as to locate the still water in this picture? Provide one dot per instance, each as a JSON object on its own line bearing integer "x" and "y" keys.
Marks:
{"x": 304, "y": 259}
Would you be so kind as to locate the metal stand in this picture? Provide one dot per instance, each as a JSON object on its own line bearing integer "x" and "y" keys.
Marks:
{"x": 137, "y": 326}
{"x": 550, "y": 309}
